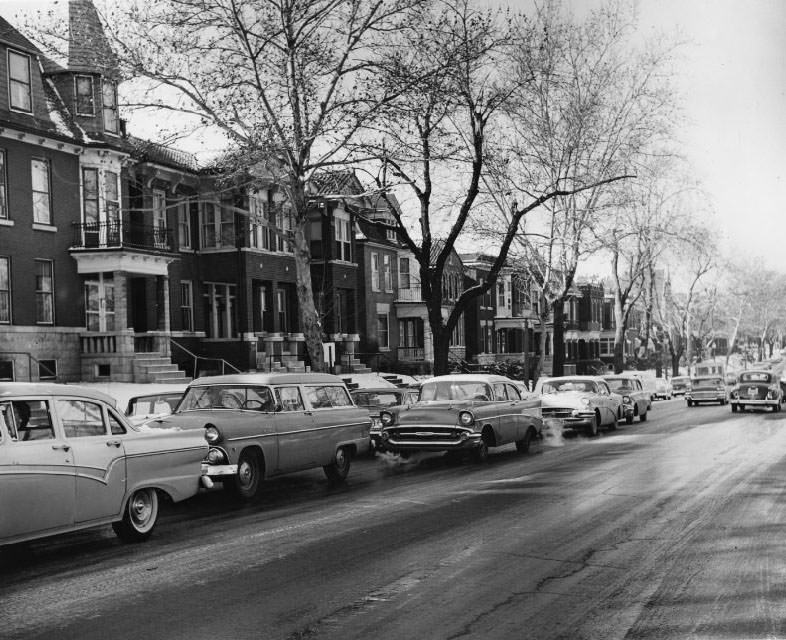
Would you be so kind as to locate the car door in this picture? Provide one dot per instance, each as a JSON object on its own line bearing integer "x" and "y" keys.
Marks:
{"x": 36, "y": 473}
{"x": 294, "y": 430}
{"x": 606, "y": 402}
{"x": 99, "y": 457}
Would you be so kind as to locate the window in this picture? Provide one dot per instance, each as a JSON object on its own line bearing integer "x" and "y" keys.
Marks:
{"x": 6, "y": 370}
{"x": 5, "y": 289}
{"x": 183, "y": 225}
{"x": 219, "y": 309}
{"x": 289, "y": 398}
{"x": 19, "y": 85}
{"x": 403, "y": 273}
{"x": 343, "y": 242}
{"x": 109, "y": 97}
{"x": 3, "y": 188}
{"x": 27, "y": 420}
{"x": 218, "y": 226}
{"x": 285, "y": 225}
{"x": 80, "y": 418}
{"x": 258, "y": 232}
{"x": 375, "y": 272}
{"x": 112, "y": 201}
{"x": 383, "y": 333}
{"x": 42, "y": 212}
{"x": 501, "y": 294}
{"x": 281, "y": 307}
{"x": 386, "y": 274}
{"x": 90, "y": 198}
{"x": 159, "y": 220}
{"x": 186, "y": 305}
{"x": 115, "y": 426}
{"x": 44, "y": 302}
{"x": 83, "y": 88}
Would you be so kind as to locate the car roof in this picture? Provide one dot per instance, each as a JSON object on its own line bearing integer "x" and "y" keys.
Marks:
{"x": 12, "y": 389}
{"x": 267, "y": 378}
{"x": 767, "y": 371}
{"x": 381, "y": 390}
{"x": 469, "y": 377}
{"x": 577, "y": 377}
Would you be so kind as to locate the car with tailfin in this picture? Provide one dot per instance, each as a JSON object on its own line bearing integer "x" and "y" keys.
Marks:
{"x": 463, "y": 413}
{"x": 579, "y": 403}
{"x": 69, "y": 460}
{"x": 707, "y": 389}
{"x": 636, "y": 401}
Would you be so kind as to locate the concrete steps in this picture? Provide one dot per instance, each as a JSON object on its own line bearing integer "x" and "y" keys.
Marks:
{"x": 153, "y": 367}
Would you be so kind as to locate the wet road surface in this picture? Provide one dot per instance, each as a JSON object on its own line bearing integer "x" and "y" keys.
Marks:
{"x": 672, "y": 528}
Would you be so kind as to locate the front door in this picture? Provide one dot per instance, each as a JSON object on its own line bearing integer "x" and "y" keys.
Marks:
{"x": 36, "y": 472}
{"x": 99, "y": 459}
{"x": 138, "y": 288}
{"x": 100, "y": 304}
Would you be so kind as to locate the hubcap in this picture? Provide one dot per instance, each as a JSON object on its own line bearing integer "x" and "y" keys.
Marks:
{"x": 340, "y": 457}
{"x": 141, "y": 508}
{"x": 245, "y": 473}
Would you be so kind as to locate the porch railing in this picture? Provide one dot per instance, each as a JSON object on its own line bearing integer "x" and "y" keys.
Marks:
{"x": 117, "y": 235}
{"x": 218, "y": 364}
{"x": 411, "y": 353}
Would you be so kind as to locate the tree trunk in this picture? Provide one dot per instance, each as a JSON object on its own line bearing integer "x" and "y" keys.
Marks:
{"x": 441, "y": 340}
{"x": 558, "y": 337}
{"x": 619, "y": 335}
{"x": 309, "y": 319}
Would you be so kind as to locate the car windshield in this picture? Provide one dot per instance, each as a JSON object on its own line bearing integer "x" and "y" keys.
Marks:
{"x": 227, "y": 397}
{"x": 755, "y": 377}
{"x": 454, "y": 390}
{"x": 678, "y": 381}
{"x": 566, "y": 386}
{"x": 620, "y": 384}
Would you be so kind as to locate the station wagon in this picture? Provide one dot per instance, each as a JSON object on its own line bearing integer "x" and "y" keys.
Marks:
{"x": 70, "y": 460}
{"x": 260, "y": 425}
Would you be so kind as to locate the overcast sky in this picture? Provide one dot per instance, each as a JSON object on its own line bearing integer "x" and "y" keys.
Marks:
{"x": 734, "y": 85}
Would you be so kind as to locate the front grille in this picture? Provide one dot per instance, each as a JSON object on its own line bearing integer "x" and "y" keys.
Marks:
{"x": 557, "y": 412}
{"x": 425, "y": 434}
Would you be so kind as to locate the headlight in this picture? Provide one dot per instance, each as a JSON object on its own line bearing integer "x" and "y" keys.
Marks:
{"x": 585, "y": 402}
{"x": 386, "y": 418}
{"x": 215, "y": 456}
{"x": 626, "y": 399}
{"x": 466, "y": 418}
{"x": 212, "y": 434}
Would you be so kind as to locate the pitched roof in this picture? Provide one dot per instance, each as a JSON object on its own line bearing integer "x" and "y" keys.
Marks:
{"x": 88, "y": 47}
{"x": 343, "y": 182}
{"x": 148, "y": 151}
{"x": 10, "y": 35}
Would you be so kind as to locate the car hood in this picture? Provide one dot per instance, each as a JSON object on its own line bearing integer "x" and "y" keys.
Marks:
{"x": 426, "y": 411}
{"x": 565, "y": 399}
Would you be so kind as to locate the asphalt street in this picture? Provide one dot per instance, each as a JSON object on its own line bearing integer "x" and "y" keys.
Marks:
{"x": 672, "y": 528}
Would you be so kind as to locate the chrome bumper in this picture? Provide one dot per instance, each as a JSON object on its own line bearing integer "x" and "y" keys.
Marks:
{"x": 218, "y": 470}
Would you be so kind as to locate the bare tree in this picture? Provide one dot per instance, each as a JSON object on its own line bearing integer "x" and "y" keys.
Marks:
{"x": 594, "y": 108}
{"x": 288, "y": 83}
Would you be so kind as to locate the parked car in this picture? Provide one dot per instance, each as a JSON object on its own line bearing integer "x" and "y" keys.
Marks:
{"x": 636, "y": 401}
{"x": 680, "y": 385}
{"x": 463, "y": 412}
{"x": 757, "y": 388}
{"x": 146, "y": 407}
{"x": 376, "y": 399}
{"x": 662, "y": 389}
{"x": 70, "y": 460}
{"x": 267, "y": 424}
{"x": 580, "y": 403}
{"x": 707, "y": 389}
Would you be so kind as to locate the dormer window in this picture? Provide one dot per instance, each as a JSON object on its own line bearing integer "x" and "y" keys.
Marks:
{"x": 19, "y": 84}
{"x": 109, "y": 96}
{"x": 83, "y": 88}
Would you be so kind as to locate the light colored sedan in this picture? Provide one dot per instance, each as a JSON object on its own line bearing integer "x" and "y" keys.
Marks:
{"x": 580, "y": 403}
{"x": 636, "y": 401}
{"x": 70, "y": 460}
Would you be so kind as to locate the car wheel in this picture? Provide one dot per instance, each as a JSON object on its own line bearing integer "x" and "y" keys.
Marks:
{"x": 643, "y": 417}
{"x": 733, "y": 407}
{"x": 249, "y": 475}
{"x": 139, "y": 517}
{"x": 337, "y": 470}
{"x": 615, "y": 423}
{"x": 690, "y": 403}
{"x": 628, "y": 419}
{"x": 481, "y": 453}
{"x": 522, "y": 446}
{"x": 592, "y": 429}
{"x": 741, "y": 407}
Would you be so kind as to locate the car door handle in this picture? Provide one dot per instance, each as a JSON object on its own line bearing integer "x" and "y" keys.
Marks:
{"x": 61, "y": 447}
{"x": 113, "y": 443}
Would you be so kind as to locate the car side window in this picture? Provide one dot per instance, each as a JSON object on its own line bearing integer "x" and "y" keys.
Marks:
{"x": 289, "y": 398}
{"x": 499, "y": 391}
{"x": 115, "y": 426}
{"x": 603, "y": 389}
{"x": 338, "y": 396}
{"x": 317, "y": 397}
{"x": 27, "y": 420}
{"x": 81, "y": 418}
{"x": 513, "y": 392}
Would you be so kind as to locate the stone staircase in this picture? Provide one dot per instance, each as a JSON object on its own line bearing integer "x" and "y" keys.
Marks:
{"x": 153, "y": 367}
{"x": 351, "y": 364}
